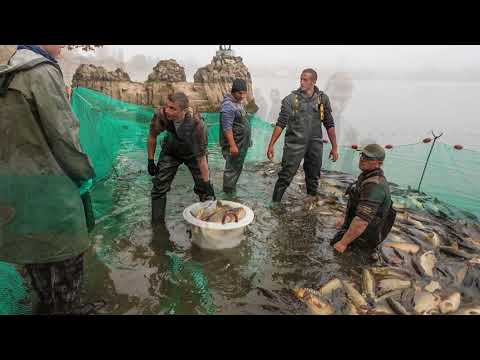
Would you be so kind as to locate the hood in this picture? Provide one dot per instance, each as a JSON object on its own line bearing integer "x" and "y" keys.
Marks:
{"x": 24, "y": 59}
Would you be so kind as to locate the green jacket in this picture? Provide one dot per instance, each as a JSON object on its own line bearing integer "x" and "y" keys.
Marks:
{"x": 42, "y": 164}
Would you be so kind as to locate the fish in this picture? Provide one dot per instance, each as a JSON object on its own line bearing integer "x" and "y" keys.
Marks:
{"x": 474, "y": 261}
{"x": 433, "y": 239}
{"x": 389, "y": 256}
{"x": 329, "y": 287}
{"x": 460, "y": 275}
{"x": 368, "y": 284}
{"x": 425, "y": 263}
{"x": 469, "y": 311}
{"x": 469, "y": 244}
{"x": 387, "y": 285}
{"x": 388, "y": 294}
{"x": 395, "y": 238}
{"x": 397, "y": 307}
{"x": 350, "y": 309}
{"x": 450, "y": 250}
{"x": 414, "y": 202}
{"x": 356, "y": 298}
{"x": 450, "y": 304}
{"x": 381, "y": 308}
{"x": 390, "y": 272}
{"x": 403, "y": 246}
{"x": 415, "y": 223}
{"x": 220, "y": 213}
{"x": 425, "y": 302}
{"x": 432, "y": 286}
{"x": 314, "y": 302}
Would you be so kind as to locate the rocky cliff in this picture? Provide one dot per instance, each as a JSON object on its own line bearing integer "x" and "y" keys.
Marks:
{"x": 6, "y": 51}
{"x": 205, "y": 93}
{"x": 216, "y": 78}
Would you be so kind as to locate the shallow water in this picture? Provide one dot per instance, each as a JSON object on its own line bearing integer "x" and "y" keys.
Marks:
{"x": 284, "y": 248}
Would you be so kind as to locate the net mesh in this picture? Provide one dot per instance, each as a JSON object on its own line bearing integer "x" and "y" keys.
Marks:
{"x": 112, "y": 132}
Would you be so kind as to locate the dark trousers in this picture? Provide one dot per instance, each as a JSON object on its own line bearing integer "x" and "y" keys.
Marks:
{"x": 167, "y": 169}
{"x": 233, "y": 170}
{"x": 312, "y": 165}
{"x": 57, "y": 284}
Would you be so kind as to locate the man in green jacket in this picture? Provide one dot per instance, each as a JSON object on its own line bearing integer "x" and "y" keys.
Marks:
{"x": 42, "y": 167}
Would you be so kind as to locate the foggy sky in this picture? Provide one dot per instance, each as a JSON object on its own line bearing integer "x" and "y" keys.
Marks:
{"x": 411, "y": 57}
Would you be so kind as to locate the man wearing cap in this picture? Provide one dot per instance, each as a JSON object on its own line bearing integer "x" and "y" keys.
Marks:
{"x": 235, "y": 134}
{"x": 303, "y": 112}
{"x": 369, "y": 214}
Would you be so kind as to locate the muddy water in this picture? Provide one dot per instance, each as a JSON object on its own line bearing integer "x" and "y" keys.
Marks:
{"x": 138, "y": 271}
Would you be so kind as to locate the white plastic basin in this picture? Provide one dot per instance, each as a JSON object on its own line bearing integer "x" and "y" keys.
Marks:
{"x": 214, "y": 236}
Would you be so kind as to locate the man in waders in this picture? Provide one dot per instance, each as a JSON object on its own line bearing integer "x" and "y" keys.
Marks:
{"x": 186, "y": 143}
{"x": 369, "y": 215}
{"x": 42, "y": 170}
{"x": 303, "y": 112}
{"x": 235, "y": 134}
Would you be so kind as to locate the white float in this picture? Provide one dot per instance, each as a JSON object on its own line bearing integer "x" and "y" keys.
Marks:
{"x": 215, "y": 236}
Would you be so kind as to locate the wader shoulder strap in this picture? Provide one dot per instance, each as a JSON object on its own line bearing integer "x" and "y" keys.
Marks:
{"x": 295, "y": 104}
{"x": 321, "y": 106}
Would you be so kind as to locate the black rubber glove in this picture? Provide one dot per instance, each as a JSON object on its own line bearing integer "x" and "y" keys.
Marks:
{"x": 152, "y": 168}
{"x": 207, "y": 191}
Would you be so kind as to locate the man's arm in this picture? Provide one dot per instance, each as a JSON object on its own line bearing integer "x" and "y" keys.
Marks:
{"x": 157, "y": 125}
{"x": 329, "y": 124}
{"x": 203, "y": 165}
{"x": 151, "y": 146}
{"x": 356, "y": 228}
{"x": 59, "y": 123}
{"x": 286, "y": 113}
{"x": 371, "y": 197}
{"x": 228, "y": 116}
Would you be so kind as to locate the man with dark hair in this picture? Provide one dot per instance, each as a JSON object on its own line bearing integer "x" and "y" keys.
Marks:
{"x": 235, "y": 134}
{"x": 186, "y": 143}
{"x": 42, "y": 169}
{"x": 303, "y": 112}
{"x": 369, "y": 215}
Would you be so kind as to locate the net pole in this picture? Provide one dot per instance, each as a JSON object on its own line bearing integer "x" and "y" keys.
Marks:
{"x": 428, "y": 158}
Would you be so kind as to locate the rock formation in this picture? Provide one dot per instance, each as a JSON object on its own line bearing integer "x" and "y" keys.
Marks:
{"x": 6, "y": 51}
{"x": 116, "y": 84}
{"x": 216, "y": 78}
{"x": 205, "y": 93}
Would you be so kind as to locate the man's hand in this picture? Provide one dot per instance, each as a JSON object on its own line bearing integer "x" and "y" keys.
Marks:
{"x": 270, "y": 153}
{"x": 340, "y": 247}
{"x": 152, "y": 168}
{"x": 234, "y": 150}
{"x": 207, "y": 192}
{"x": 334, "y": 154}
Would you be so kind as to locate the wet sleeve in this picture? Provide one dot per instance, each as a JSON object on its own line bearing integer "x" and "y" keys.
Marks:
{"x": 328, "y": 121}
{"x": 157, "y": 124}
{"x": 372, "y": 197}
{"x": 60, "y": 125}
{"x": 228, "y": 116}
{"x": 286, "y": 113}
{"x": 200, "y": 138}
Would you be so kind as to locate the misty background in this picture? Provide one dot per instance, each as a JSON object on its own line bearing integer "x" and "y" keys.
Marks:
{"x": 399, "y": 94}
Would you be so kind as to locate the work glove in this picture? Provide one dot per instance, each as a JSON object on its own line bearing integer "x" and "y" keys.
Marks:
{"x": 207, "y": 192}
{"x": 152, "y": 168}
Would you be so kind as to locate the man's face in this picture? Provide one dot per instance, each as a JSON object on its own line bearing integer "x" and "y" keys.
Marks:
{"x": 239, "y": 96}
{"x": 306, "y": 82}
{"x": 53, "y": 50}
{"x": 366, "y": 163}
{"x": 173, "y": 111}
